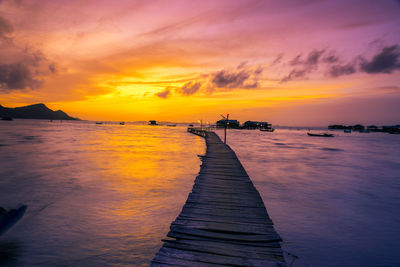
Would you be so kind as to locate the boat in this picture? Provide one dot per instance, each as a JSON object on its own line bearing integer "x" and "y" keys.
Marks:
{"x": 11, "y": 217}
{"x": 99, "y": 123}
{"x": 6, "y": 118}
{"x": 171, "y": 125}
{"x": 122, "y": 123}
{"x": 267, "y": 129}
{"x": 321, "y": 134}
{"x": 153, "y": 122}
{"x": 347, "y": 130}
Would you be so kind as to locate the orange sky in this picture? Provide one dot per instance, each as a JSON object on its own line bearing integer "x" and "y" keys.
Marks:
{"x": 303, "y": 62}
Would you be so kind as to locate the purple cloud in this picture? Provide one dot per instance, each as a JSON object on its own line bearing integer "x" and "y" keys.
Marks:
{"x": 340, "y": 70}
{"x": 5, "y": 27}
{"x": 386, "y": 61}
{"x": 165, "y": 93}
{"x": 20, "y": 67}
{"x": 189, "y": 88}
{"x": 245, "y": 77}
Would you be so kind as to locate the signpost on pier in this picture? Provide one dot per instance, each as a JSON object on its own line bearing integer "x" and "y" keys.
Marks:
{"x": 226, "y": 125}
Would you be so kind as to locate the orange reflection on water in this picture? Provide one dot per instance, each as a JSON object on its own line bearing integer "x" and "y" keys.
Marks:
{"x": 146, "y": 172}
{"x": 106, "y": 193}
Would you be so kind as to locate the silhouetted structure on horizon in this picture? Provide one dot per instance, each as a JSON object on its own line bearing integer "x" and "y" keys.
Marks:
{"x": 233, "y": 124}
{"x": 393, "y": 129}
{"x": 256, "y": 125}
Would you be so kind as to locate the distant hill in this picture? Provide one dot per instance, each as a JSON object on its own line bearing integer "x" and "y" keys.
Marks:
{"x": 37, "y": 111}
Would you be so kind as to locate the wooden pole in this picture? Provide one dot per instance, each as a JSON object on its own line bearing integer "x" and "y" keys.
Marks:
{"x": 226, "y": 125}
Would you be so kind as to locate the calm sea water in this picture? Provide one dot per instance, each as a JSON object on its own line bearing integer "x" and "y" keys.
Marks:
{"x": 105, "y": 195}
{"x": 335, "y": 201}
{"x": 97, "y": 195}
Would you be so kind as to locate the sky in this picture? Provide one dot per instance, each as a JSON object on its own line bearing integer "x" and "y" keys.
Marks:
{"x": 288, "y": 62}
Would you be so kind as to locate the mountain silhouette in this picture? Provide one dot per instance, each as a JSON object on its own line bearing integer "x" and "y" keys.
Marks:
{"x": 36, "y": 111}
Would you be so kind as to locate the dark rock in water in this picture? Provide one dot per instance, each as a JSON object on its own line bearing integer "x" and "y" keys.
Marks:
{"x": 11, "y": 217}
{"x": 331, "y": 149}
{"x": 37, "y": 111}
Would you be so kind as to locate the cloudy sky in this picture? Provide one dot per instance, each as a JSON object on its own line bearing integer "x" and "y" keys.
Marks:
{"x": 289, "y": 62}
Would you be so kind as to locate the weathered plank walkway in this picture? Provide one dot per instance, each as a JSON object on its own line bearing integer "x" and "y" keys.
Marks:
{"x": 224, "y": 221}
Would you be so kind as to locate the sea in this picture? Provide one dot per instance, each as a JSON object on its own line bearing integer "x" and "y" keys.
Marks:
{"x": 105, "y": 194}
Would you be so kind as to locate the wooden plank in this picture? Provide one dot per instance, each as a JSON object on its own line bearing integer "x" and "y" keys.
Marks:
{"x": 220, "y": 198}
{"x": 211, "y": 202}
{"x": 226, "y": 250}
{"x": 231, "y": 246}
{"x": 223, "y": 219}
{"x": 222, "y": 212}
{"x": 161, "y": 259}
{"x": 202, "y": 257}
{"x": 271, "y": 237}
{"x": 241, "y": 178}
{"x": 227, "y": 192}
{"x": 264, "y": 245}
{"x": 214, "y": 181}
{"x": 223, "y": 206}
{"x": 221, "y": 189}
{"x": 218, "y": 226}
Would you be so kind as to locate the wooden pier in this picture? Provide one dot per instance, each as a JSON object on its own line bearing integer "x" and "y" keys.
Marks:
{"x": 197, "y": 131}
{"x": 224, "y": 221}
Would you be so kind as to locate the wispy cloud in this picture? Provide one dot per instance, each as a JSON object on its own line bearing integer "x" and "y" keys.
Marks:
{"x": 5, "y": 27}
{"x": 296, "y": 74}
{"x": 240, "y": 77}
{"x": 312, "y": 58}
{"x": 387, "y": 60}
{"x": 21, "y": 67}
{"x": 165, "y": 93}
{"x": 303, "y": 65}
{"x": 227, "y": 79}
{"x": 277, "y": 60}
{"x": 189, "y": 88}
{"x": 340, "y": 70}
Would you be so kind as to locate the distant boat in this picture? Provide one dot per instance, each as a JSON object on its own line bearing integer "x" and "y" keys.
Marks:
{"x": 267, "y": 129}
{"x": 347, "y": 130}
{"x": 190, "y": 125}
{"x": 171, "y": 125}
{"x": 6, "y": 118}
{"x": 99, "y": 123}
{"x": 11, "y": 217}
{"x": 122, "y": 123}
{"x": 321, "y": 135}
{"x": 153, "y": 122}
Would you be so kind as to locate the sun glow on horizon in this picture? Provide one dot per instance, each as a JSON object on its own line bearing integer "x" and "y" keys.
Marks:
{"x": 199, "y": 59}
